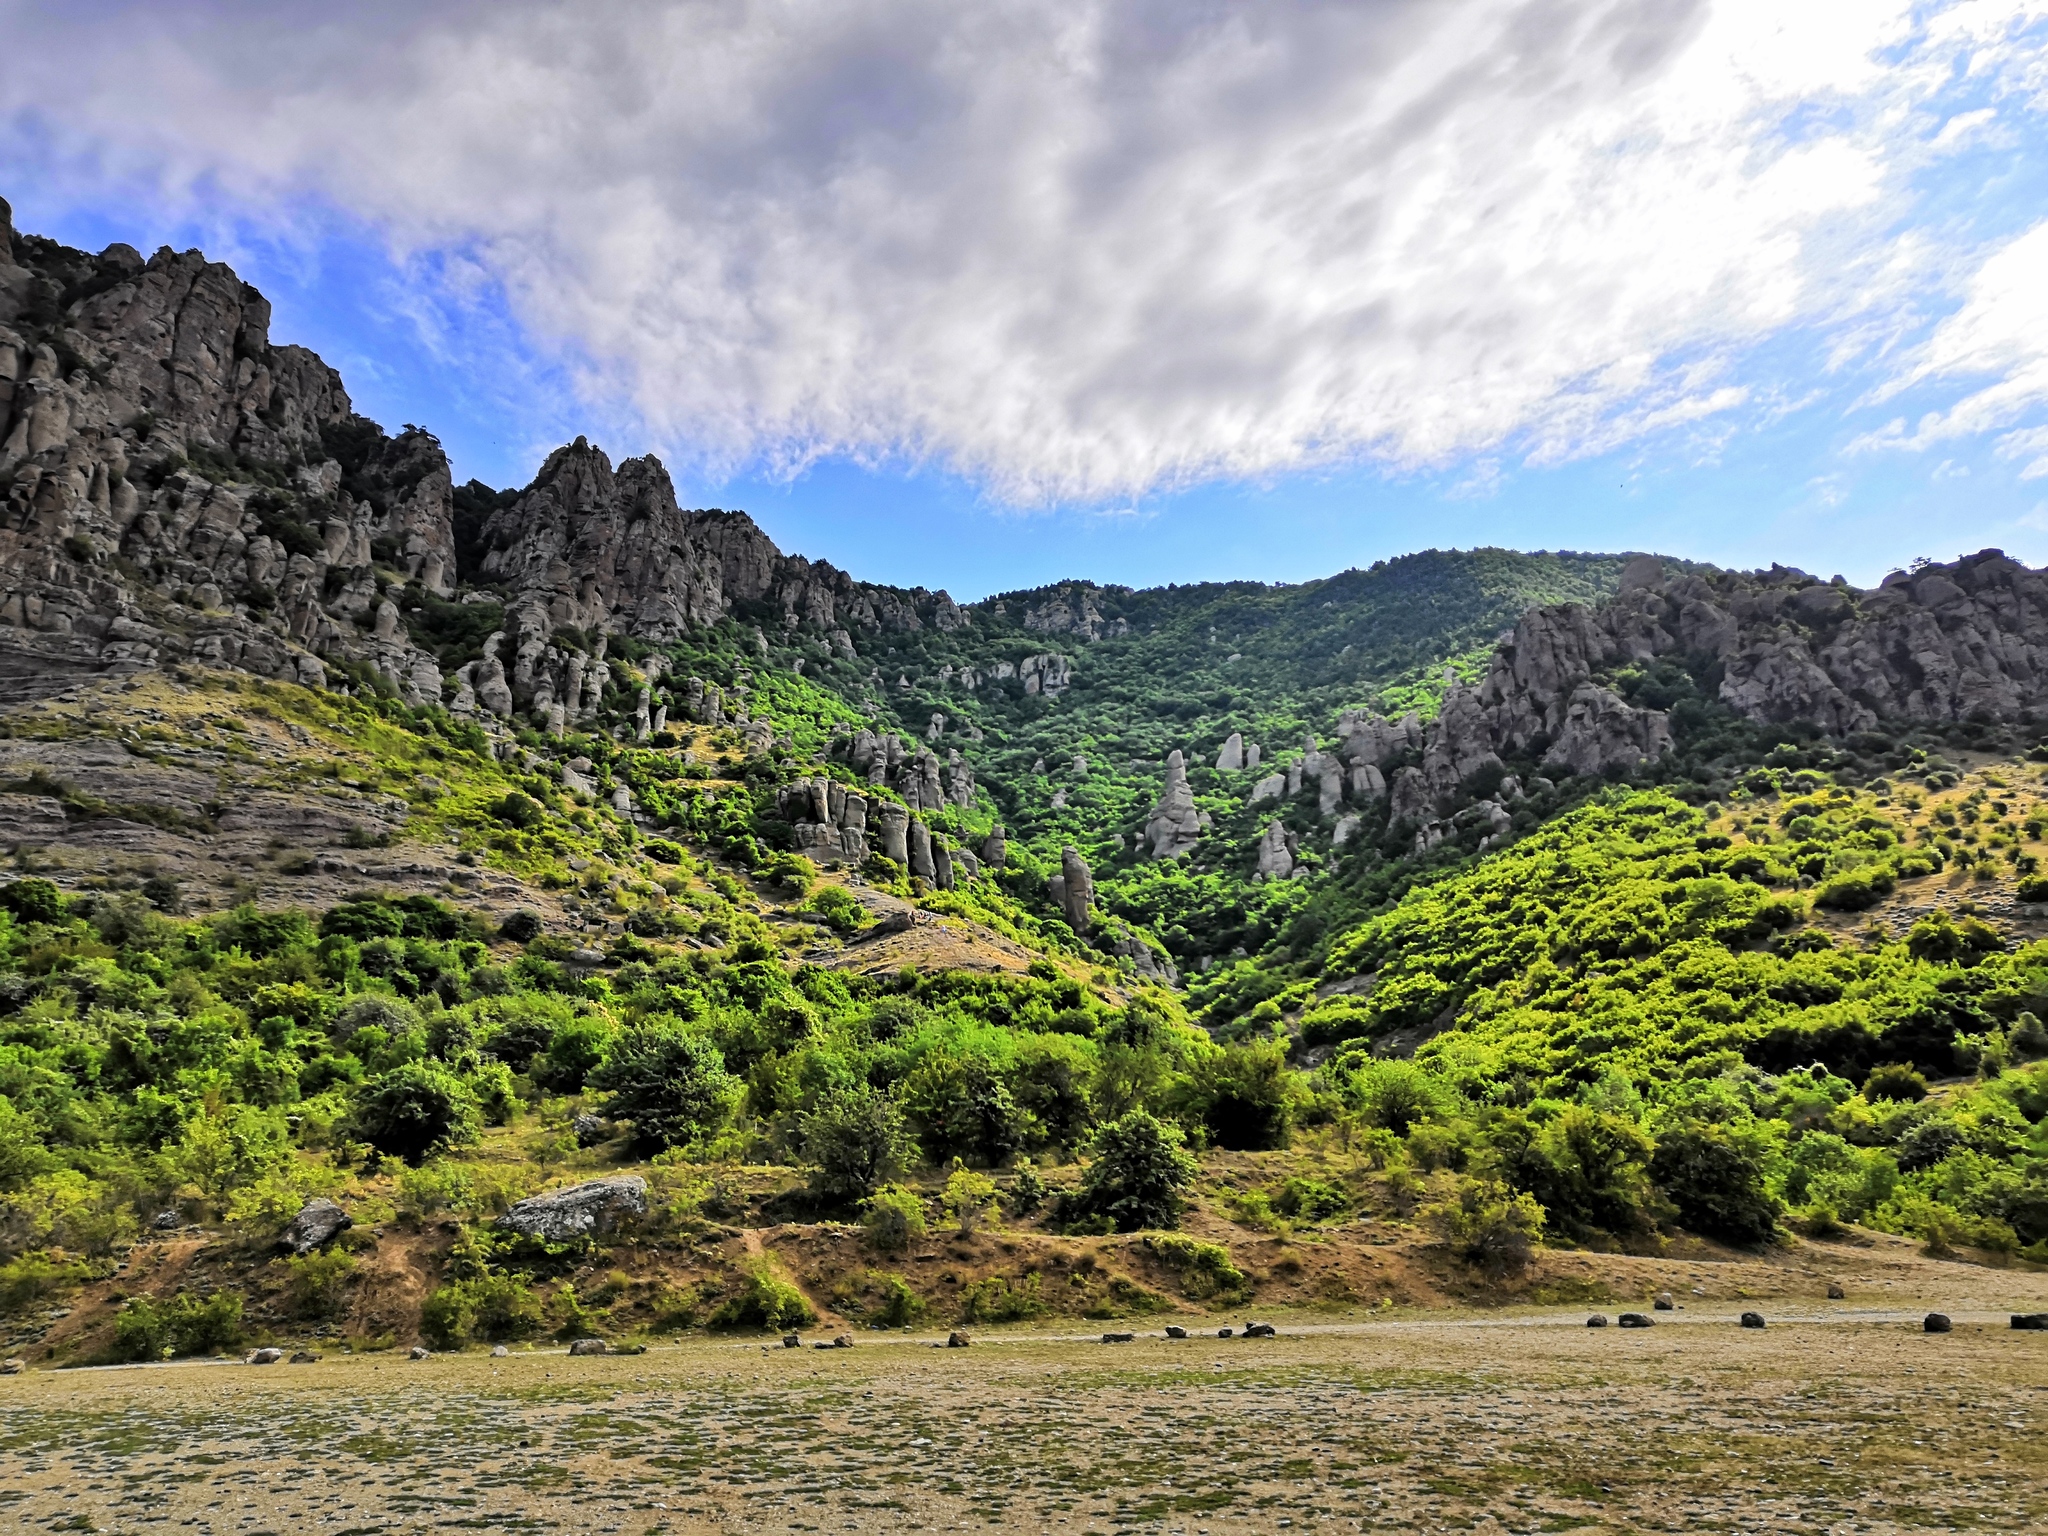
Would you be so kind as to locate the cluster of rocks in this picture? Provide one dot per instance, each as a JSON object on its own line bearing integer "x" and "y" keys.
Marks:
{"x": 832, "y": 824}
{"x": 912, "y": 770}
{"x": 1074, "y": 608}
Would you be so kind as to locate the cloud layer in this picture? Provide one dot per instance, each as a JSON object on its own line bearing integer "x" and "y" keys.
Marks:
{"x": 1084, "y": 251}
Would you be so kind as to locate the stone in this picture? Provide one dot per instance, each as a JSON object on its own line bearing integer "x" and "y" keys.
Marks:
{"x": 1276, "y": 852}
{"x": 588, "y": 1347}
{"x": 166, "y": 1221}
{"x": 582, "y": 1210}
{"x": 1223, "y": 1333}
{"x": 1752, "y": 1320}
{"x": 1835, "y": 1291}
{"x": 265, "y": 1356}
{"x": 1076, "y": 893}
{"x": 1175, "y": 1331}
{"x": 842, "y": 1341}
{"x": 419, "y": 1352}
{"x": 1936, "y": 1322}
{"x": 1665, "y": 1302}
{"x": 957, "y": 1340}
{"x": 1118, "y": 1338}
{"x": 589, "y": 1129}
{"x": 1597, "y": 1320}
{"x": 1231, "y": 758}
{"x": 499, "y": 1351}
{"x": 2034, "y": 1322}
{"x": 1271, "y": 787}
{"x": 1172, "y": 828}
{"x": 303, "y": 1357}
{"x": 1634, "y": 1320}
{"x": 792, "y": 1341}
{"x": 13, "y": 1365}
{"x": 318, "y": 1223}
{"x": 1260, "y": 1331}
{"x": 995, "y": 848}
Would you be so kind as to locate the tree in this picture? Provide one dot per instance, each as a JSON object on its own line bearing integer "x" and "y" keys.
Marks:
{"x": 1141, "y": 1174}
{"x": 1716, "y": 1183}
{"x": 671, "y": 1083}
{"x": 855, "y": 1142}
{"x": 414, "y": 1110}
{"x": 1242, "y": 1096}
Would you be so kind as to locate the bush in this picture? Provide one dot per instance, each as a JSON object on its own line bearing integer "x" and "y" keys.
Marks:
{"x": 969, "y": 1197}
{"x": 521, "y": 927}
{"x": 764, "y": 1301}
{"x": 2033, "y": 888}
{"x": 32, "y": 900}
{"x": 901, "y": 1306}
{"x": 521, "y": 811}
{"x": 1855, "y": 890}
{"x": 893, "y": 1216}
{"x": 1393, "y": 1095}
{"x": 1303, "y": 1199}
{"x": 1140, "y": 1176}
{"x": 490, "y": 1307}
{"x": 36, "y": 1277}
{"x": 415, "y": 1110}
{"x": 1895, "y": 1081}
{"x": 855, "y": 1142}
{"x": 575, "y": 1051}
{"x": 1027, "y": 1190}
{"x": 791, "y": 872}
{"x": 1242, "y": 1096}
{"x": 995, "y": 1300}
{"x": 670, "y": 1082}
{"x": 1716, "y": 1184}
{"x": 841, "y": 910}
{"x": 184, "y": 1325}
{"x": 317, "y": 1283}
{"x": 1492, "y": 1227}
{"x": 1206, "y": 1270}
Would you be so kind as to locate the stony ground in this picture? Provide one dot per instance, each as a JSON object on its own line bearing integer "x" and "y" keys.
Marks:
{"x": 1847, "y": 1422}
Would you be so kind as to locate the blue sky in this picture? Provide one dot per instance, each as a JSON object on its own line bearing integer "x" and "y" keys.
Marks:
{"x": 1222, "y": 301}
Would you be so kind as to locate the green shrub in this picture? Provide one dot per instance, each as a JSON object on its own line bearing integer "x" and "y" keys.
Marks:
{"x": 969, "y": 1197}
{"x": 855, "y": 1142}
{"x": 1244, "y": 1096}
{"x": 841, "y": 910}
{"x": 1303, "y": 1199}
{"x": 521, "y": 811}
{"x": 36, "y": 1277}
{"x": 489, "y": 1307}
{"x": 1894, "y": 1081}
{"x": 1140, "y": 1176}
{"x": 1492, "y": 1227}
{"x": 415, "y": 1110}
{"x": 1027, "y": 1189}
{"x": 670, "y": 1082}
{"x": 901, "y": 1306}
{"x": 995, "y": 1300}
{"x": 1207, "y": 1272}
{"x": 317, "y": 1283}
{"x": 764, "y": 1301}
{"x": 32, "y": 900}
{"x": 2033, "y": 888}
{"x": 1716, "y": 1183}
{"x": 893, "y": 1217}
{"x": 1855, "y": 890}
{"x": 184, "y": 1325}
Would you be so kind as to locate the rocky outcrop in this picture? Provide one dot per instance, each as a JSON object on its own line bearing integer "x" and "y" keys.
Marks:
{"x": 1173, "y": 827}
{"x": 318, "y": 1223}
{"x": 582, "y": 1210}
{"x": 1276, "y": 852}
{"x": 1231, "y": 758}
{"x": 1073, "y": 890}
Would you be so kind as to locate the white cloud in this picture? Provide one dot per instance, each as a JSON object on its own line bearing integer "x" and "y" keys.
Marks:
{"x": 1075, "y": 250}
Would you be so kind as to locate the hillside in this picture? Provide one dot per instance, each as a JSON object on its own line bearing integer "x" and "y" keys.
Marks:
{"x": 425, "y": 847}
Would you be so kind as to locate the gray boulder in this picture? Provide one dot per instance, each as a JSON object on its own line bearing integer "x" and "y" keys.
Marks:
{"x": 1635, "y": 1320}
{"x": 266, "y": 1356}
{"x": 1752, "y": 1319}
{"x": 1835, "y": 1291}
{"x": 1172, "y": 828}
{"x": 581, "y": 1210}
{"x": 2036, "y": 1322}
{"x": 1665, "y": 1302}
{"x": 165, "y": 1221}
{"x": 304, "y": 1357}
{"x": 318, "y": 1223}
{"x": 1597, "y": 1320}
{"x": 588, "y": 1347}
{"x": 589, "y": 1130}
{"x": 1936, "y": 1322}
{"x": 420, "y": 1352}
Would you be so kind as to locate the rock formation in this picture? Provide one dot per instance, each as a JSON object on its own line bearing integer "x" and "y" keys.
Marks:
{"x": 1172, "y": 828}
{"x": 1231, "y": 758}
{"x": 1276, "y": 852}
{"x": 1073, "y": 888}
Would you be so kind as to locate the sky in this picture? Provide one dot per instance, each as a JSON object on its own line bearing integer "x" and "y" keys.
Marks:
{"x": 981, "y": 297}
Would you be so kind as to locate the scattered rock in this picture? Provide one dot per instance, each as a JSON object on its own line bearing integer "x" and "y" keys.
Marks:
{"x": 1835, "y": 1291}
{"x": 12, "y": 1366}
{"x": 419, "y": 1352}
{"x": 590, "y": 1129}
{"x": 2036, "y": 1322}
{"x": 1936, "y": 1322}
{"x": 1260, "y": 1331}
{"x": 1223, "y": 1333}
{"x": 318, "y": 1223}
{"x": 957, "y": 1341}
{"x": 1597, "y": 1320}
{"x": 304, "y": 1357}
{"x": 580, "y": 1210}
{"x": 1665, "y": 1302}
{"x": 792, "y": 1341}
{"x": 588, "y": 1347}
{"x": 499, "y": 1351}
{"x": 1635, "y": 1320}
{"x": 1752, "y": 1319}
{"x": 265, "y": 1356}
{"x": 1175, "y": 1331}
{"x": 842, "y": 1341}
{"x": 166, "y": 1221}
{"x": 1118, "y": 1338}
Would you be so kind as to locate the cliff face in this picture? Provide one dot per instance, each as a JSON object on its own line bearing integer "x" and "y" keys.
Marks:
{"x": 173, "y": 486}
